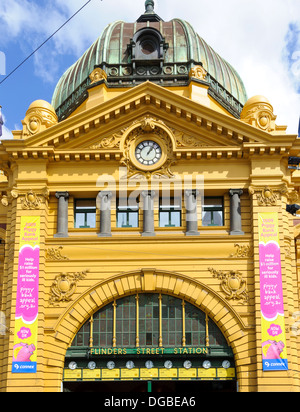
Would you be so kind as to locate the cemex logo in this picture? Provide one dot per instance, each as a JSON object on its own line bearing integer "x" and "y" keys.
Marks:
{"x": 2, "y": 64}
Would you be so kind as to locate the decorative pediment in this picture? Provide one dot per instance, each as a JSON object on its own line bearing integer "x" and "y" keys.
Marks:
{"x": 195, "y": 131}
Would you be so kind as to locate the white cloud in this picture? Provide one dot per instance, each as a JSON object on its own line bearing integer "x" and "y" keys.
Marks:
{"x": 254, "y": 36}
{"x": 6, "y": 134}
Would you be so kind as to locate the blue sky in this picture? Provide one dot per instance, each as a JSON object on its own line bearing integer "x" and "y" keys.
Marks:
{"x": 261, "y": 39}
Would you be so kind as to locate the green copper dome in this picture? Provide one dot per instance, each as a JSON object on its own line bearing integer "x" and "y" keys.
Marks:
{"x": 149, "y": 49}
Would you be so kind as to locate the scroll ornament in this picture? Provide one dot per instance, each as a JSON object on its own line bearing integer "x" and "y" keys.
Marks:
{"x": 55, "y": 254}
{"x": 232, "y": 284}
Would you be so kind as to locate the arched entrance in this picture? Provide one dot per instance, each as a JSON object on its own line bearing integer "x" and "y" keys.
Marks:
{"x": 149, "y": 342}
{"x": 73, "y": 331}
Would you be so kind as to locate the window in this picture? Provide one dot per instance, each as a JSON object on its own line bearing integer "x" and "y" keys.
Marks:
{"x": 126, "y": 322}
{"x": 127, "y": 215}
{"x": 85, "y": 213}
{"x": 195, "y": 326}
{"x": 213, "y": 211}
{"x": 103, "y": 326}
{"x": 170, "y": 212}
{"x": 171, "y": 321}
{"x": 149, "y": 320}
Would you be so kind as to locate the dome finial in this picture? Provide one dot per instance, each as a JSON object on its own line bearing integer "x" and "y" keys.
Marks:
{"x": 149, "y": 6}
{"x": 149, "y": 14}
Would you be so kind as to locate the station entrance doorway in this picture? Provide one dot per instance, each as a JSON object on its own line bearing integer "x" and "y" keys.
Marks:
{"x": 149, "y": 343}
{"x": 155, "y": 387}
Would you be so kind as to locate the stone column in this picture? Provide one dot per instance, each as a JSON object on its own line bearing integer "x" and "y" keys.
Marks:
{"x": 148, "y": 210}
{"x": 62, "y": 214}
{"x": 235, "y": 212}
{"x": 105, "y": 214}
{"x": 191, "y": 212}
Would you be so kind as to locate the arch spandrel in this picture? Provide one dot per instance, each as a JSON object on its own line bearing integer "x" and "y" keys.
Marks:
{"x": 147, "y": 281}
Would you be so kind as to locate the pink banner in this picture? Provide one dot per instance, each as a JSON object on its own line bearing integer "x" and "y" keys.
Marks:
{"x": 274, "y": 353}
{"x": 27, "y": 300}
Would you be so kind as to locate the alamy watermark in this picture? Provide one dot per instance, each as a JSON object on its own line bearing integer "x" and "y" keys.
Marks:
{"x": 2, "y": 64}
{"x": 130, "y": 191}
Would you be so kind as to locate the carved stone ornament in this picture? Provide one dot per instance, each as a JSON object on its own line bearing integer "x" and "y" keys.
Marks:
{"x": 232, "y": 284}
{"x": 242, "y": 251}
{"x": 64, "y": 287}
{"x": 4, "y": 200}
{"x": 112, "y": 142}
{"x": 39, "y": 116}
{"x": 7, "y": 197}
{"x": 97, "y": 75}
{"x": 31, "y": 201}
{"x": 198, "y": 72}
{"x": 148, "y": 128}
{"x": 258, "y": 112}
{"x": 55, "y": 254}
{"x": 267, "y": 196}
{"x": 183, "y": 140}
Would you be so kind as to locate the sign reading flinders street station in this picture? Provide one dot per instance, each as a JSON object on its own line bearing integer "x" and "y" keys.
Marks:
{"x": 149, "y": 351}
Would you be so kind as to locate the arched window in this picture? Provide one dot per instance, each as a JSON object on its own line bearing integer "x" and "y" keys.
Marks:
{"x": 149, "y": 320}
{"x": 147, "y": 46}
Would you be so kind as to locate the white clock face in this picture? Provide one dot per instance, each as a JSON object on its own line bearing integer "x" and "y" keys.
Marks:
{"x": 129, "y": 365}
{"x": 72, "y": 366}
{"x": 110, "y": 365}
{"x": 226, "y": 364}
{"x": 149, "y": 364}
{"x": 187, "y": 364}
{"x": 148, "y": 152}
{"x": 168, "y": 364}
{"x": 206, "y": 364}
{"x": 92, "y": 365}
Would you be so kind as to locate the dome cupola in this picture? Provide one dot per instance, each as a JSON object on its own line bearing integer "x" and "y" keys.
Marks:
{"x": 149, "y": 49}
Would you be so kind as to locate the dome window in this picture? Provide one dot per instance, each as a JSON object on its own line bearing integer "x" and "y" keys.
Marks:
{"x": 147, "y": 48}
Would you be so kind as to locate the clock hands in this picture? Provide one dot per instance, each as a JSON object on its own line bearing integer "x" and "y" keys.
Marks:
{"x": 148, "y": 153}
{"x": 150, "y": 150}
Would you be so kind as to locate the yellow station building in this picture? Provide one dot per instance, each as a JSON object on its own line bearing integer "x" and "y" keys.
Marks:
{"x": 146, "y": 223}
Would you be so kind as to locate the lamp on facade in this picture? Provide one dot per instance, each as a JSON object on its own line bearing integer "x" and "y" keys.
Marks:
{"x": 294, "y": 163}
{"x": 292, "y": 209}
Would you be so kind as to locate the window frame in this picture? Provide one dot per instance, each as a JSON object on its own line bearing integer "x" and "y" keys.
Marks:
{"x": 128, "y": 210}
{"x": 86, "y": 212}
{"x": 170, "y": 208}
{"x": 213, "y": 209}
